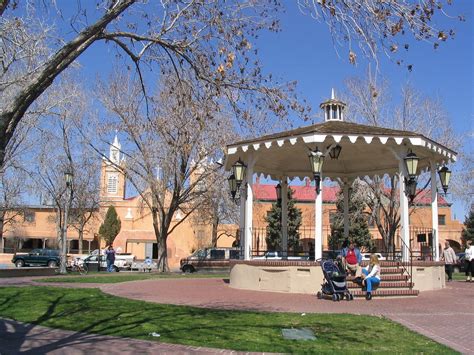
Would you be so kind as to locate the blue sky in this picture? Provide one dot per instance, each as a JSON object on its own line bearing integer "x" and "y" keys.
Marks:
{"x": 303, "y": 51}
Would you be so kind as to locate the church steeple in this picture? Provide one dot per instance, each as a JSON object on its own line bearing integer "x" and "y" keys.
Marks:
{"x": 333, "y": 109}
{"x": 114, "y": 151}
{"x": 112, "y": 174}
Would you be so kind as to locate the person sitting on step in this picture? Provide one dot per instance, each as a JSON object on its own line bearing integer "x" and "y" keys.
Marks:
{"x": 371, "y": 275}
{"x": 352, "y": 259}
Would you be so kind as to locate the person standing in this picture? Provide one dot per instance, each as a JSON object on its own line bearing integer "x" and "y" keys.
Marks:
{"x": 371, "y": 275}
{"x": 110, "y": 257}
{"x": 469, "y": 260}
{"x": 449, "y": 257}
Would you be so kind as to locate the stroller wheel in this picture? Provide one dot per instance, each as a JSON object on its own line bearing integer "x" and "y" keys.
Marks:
{"x": 349, "y": 297}
{"x": 319, "y": 295}
{"x": 335, "y": 297}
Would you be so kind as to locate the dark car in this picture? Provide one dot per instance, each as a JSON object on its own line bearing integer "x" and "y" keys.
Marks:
{"x": 37, "y": 257}
{"x": 209, "y": 259}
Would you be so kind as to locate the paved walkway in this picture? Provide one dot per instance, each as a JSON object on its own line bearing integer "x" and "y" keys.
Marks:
{"x": 446, "y": 316}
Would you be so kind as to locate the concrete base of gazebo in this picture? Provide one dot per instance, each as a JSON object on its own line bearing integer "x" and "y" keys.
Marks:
{"x": 307, "y": 276}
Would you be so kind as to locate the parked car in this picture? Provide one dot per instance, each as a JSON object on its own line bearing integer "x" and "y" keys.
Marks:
{"x": 37, "y": 257}
{"x": 275, "y": 255}
{"x": 209, "y": 259}
{"x": 122, "y": 262}
{"x": 366, "y": 256}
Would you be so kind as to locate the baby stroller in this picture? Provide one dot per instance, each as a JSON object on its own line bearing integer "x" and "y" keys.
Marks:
{"x": 335, "y": 284}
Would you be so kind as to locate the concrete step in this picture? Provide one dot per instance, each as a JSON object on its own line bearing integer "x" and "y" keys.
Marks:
{"x": 387, "y": 277}
{"x": 386, "y": 293}
{"x": 391, "y": 270}
{"x": 384, "y": 285}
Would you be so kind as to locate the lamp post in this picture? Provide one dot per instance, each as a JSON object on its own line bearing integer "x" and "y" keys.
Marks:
{"x": 68, "y": 177}
{"x": 335, "y": 152}
{"x": 238, "y": 170}
{"x": 278, "y": 192}
{"x": 232, "y": 185}
{"x": 444, "y": 176}
{"x": 411, "y": 164}
{"x": 316, "y": 160}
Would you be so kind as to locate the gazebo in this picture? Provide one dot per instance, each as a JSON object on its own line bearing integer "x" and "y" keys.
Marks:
{"x": 339, "y": 150}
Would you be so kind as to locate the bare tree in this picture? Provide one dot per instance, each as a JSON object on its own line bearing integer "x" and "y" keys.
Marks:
{"x": 63, "y": 152}
{"x": 216, "y": 208}
{"x": 11, "y": 208}
{"x": 371, "y": 104}
{"x": 212, "y": 40}
{"x": 374, "y": 27}
{"x": 86, "y": 202}
{"x": 168, "y": 152}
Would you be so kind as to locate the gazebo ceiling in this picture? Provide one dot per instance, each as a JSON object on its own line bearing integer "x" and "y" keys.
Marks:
{"x": 366, "y": 150}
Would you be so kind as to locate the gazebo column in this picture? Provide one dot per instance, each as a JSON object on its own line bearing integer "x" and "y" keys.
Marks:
{"x": 249, "y": 211}
{"x": 345, "y": 190}
{"x": 404, "y": 217}
{"x": 284, "y": 217}
{"x": 434, "y": 210}
{"x": 242, "y": 225}
{"x": 318, "y": 224}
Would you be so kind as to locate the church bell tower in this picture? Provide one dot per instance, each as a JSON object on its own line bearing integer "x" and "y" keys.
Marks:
{"x": 112, "y": 179}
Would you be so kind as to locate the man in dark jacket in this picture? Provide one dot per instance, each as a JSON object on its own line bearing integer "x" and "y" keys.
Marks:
{"x": 110, "y": 257}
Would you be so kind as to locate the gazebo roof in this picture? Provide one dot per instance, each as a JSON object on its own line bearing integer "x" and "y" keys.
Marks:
{"x": 366, "y": 150}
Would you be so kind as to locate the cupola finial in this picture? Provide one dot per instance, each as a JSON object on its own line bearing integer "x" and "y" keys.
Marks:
{"x": 333, "y": 108}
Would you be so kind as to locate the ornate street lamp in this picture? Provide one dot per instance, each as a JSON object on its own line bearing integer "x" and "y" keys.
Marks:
{"x": 278, "y": 192}
{"x": 232, "y": 185}
{"x": 335, "y": 151}
{"x": 68, "y": 175}
{"x": 410, "y": 191}
{"x": 316, "y": 160}
{"x": 444, "y": 176}
{"x": 411, "y": 163}
{"x": 238, "y": 170}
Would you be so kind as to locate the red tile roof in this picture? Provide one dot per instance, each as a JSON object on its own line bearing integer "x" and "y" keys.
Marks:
{"x": 307, "y": 193}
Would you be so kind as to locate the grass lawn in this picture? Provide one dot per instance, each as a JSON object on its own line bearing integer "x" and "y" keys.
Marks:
{"x": 90, "y": 310}
{"x": 109, "y": 278}
{"x": 458, "y": 276}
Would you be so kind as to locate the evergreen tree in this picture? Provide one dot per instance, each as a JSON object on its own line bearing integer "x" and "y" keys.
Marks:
{"x": 111, "y": 226}
{"x": 468, "y": 230}
{"x": 358, "y": 226}
{"x": 274, "y": 237}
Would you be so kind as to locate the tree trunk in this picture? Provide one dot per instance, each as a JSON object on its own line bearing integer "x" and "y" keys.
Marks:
{"x": 81, "y": 237}
{"x": 2, "y": 243}
{"x": 214, "y": 232}
{"x": 161, "y": 236}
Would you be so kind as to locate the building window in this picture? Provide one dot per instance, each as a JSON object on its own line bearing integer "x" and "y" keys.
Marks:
{"x": 442, "y": 219}
{"x": 30, "y": 216}
{"x": 112, "y": 183}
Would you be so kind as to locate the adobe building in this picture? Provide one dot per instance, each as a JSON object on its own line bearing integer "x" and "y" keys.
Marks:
{"x": 304, "y": 196}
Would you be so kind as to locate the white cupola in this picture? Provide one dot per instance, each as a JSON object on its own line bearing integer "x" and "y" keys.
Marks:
{"x": 333, "y": 109}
